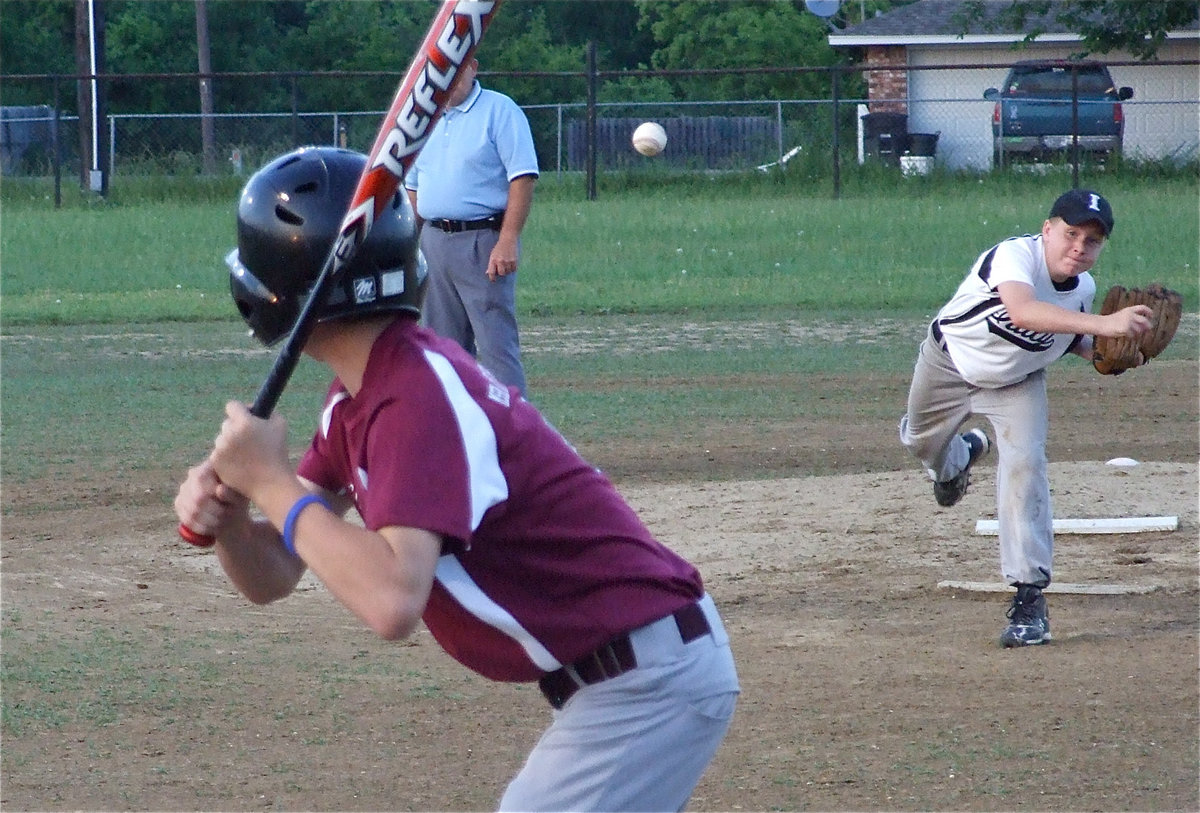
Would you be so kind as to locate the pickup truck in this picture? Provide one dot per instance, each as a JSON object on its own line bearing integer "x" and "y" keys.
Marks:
{"x": 1034, "y": 117}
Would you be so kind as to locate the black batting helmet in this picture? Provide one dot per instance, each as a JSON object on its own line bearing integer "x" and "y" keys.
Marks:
{"x": 289, "y": 214}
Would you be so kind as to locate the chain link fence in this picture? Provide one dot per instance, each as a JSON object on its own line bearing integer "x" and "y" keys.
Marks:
{"x": 946, "y": 121}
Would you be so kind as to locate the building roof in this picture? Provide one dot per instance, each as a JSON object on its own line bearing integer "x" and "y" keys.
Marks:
{"x": 937, "y": 22}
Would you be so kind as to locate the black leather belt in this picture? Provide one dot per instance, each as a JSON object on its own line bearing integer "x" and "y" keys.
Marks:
{"x": 453, "y": 226}
{"x": 614, "y": 658}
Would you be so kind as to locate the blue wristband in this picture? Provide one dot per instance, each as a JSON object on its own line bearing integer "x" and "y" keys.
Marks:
{"x": 289, "y": 524}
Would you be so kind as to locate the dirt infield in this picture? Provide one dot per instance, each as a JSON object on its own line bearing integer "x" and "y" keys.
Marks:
{"x": 137, "y": 680}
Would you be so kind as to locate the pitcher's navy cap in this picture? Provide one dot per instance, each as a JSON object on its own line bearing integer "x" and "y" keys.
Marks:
{"x": 1081, "y": 205}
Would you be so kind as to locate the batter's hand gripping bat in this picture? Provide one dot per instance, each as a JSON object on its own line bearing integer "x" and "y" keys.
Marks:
{"x": 450, "y": 42}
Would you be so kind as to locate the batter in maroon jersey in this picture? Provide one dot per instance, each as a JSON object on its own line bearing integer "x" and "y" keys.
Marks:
{"x": 477, "y": 516}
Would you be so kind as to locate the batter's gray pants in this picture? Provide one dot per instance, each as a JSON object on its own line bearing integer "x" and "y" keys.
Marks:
{"x": 462, "y": 304}
{"x": 641, "y": 740}
{"x": 939, "y": 402}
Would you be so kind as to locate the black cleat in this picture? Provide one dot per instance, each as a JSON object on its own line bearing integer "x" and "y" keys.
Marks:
{"x": 951, "y": 491}
{"x": 1029, "y": 620}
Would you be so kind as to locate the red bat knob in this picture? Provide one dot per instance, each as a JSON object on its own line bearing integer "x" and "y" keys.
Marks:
{"x": 193, "y": 538}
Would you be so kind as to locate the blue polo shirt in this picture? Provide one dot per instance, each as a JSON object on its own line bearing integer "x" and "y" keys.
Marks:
{"x": 474, "y": 151}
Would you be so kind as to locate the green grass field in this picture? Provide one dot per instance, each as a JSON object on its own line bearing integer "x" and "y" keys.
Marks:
{"x": 721, "y": 245}
{"x": 119, "y": 309}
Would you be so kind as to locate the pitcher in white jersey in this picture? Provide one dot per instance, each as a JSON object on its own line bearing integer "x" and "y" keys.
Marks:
{"x": 1025, "y": 303}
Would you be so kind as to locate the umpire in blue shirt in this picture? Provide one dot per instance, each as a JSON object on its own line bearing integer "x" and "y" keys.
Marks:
{"x": 472, "y": 187}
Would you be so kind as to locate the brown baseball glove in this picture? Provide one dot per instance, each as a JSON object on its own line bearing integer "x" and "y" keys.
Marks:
{"x": 1113, "y": 356}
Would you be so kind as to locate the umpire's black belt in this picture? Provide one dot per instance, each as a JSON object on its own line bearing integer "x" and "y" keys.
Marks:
{"x": 614, "y": 658}
{"x": 453, "y": 226}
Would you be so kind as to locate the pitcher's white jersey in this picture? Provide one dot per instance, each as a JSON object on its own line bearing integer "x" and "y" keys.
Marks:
{"x": 986, "y": 347}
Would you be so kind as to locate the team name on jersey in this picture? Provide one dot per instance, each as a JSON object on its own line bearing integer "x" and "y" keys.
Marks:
{"x": 1001, "y": 325}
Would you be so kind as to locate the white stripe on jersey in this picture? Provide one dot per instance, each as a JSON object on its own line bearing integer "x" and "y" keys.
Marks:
{"x": 327, "y": 413}
{"x": 453, "y": 576}
{"x": 486, "y": 480}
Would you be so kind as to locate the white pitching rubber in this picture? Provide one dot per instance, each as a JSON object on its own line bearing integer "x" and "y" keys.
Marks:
{"x": 1113, "y": 525}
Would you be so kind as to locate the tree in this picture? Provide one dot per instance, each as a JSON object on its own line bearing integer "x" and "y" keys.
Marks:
{"x": 144, "y": 38}
{"x": 620, "y": 42}
{"x": 1105, "y": 25}
{"x": 339, "y": 36}
{"x": 380, "y": 35}
{"x": 741, "y": 34}
{"x": 523, "y": 42}
{"x": 36, "y": 37}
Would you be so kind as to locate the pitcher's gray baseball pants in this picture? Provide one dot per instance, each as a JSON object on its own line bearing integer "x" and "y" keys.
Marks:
{"x": 939, "y": 402}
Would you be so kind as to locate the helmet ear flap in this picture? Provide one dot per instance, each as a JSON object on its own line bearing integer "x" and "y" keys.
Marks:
{"x": 268, "y": 316}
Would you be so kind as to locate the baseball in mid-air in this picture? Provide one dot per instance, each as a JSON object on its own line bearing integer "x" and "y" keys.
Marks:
{"x": 649, "y": 138}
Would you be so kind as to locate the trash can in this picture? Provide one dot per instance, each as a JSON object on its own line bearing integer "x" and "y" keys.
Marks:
{"x": 922, "y": 143}
{"x": 885, "y": 136}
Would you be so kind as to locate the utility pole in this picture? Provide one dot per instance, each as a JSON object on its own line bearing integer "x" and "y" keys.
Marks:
{"x": 208, "y": 138}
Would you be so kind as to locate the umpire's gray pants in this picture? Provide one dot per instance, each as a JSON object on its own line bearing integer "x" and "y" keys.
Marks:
{"x": 641, "y": 740}
{"x": 462, "y": 304}
{"x": 939, "y": 402}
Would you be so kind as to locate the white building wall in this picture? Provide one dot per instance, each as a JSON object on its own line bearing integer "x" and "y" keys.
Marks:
{"x": 1163, "y": 117}
{"x": 1161, "y": 120}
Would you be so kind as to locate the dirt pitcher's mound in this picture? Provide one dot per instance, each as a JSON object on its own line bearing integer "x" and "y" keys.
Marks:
{"x": 888, "y": 523}
{"x": 864, "y": 685}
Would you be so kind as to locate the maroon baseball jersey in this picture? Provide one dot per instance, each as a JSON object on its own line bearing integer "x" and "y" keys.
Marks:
{"x": 543, "y": 560}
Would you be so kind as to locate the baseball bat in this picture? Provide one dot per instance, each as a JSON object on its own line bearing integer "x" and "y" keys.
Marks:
{"x": 419, "y": 102}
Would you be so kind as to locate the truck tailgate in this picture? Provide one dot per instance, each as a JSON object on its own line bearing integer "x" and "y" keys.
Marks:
{"x": 1032, "y": 116}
